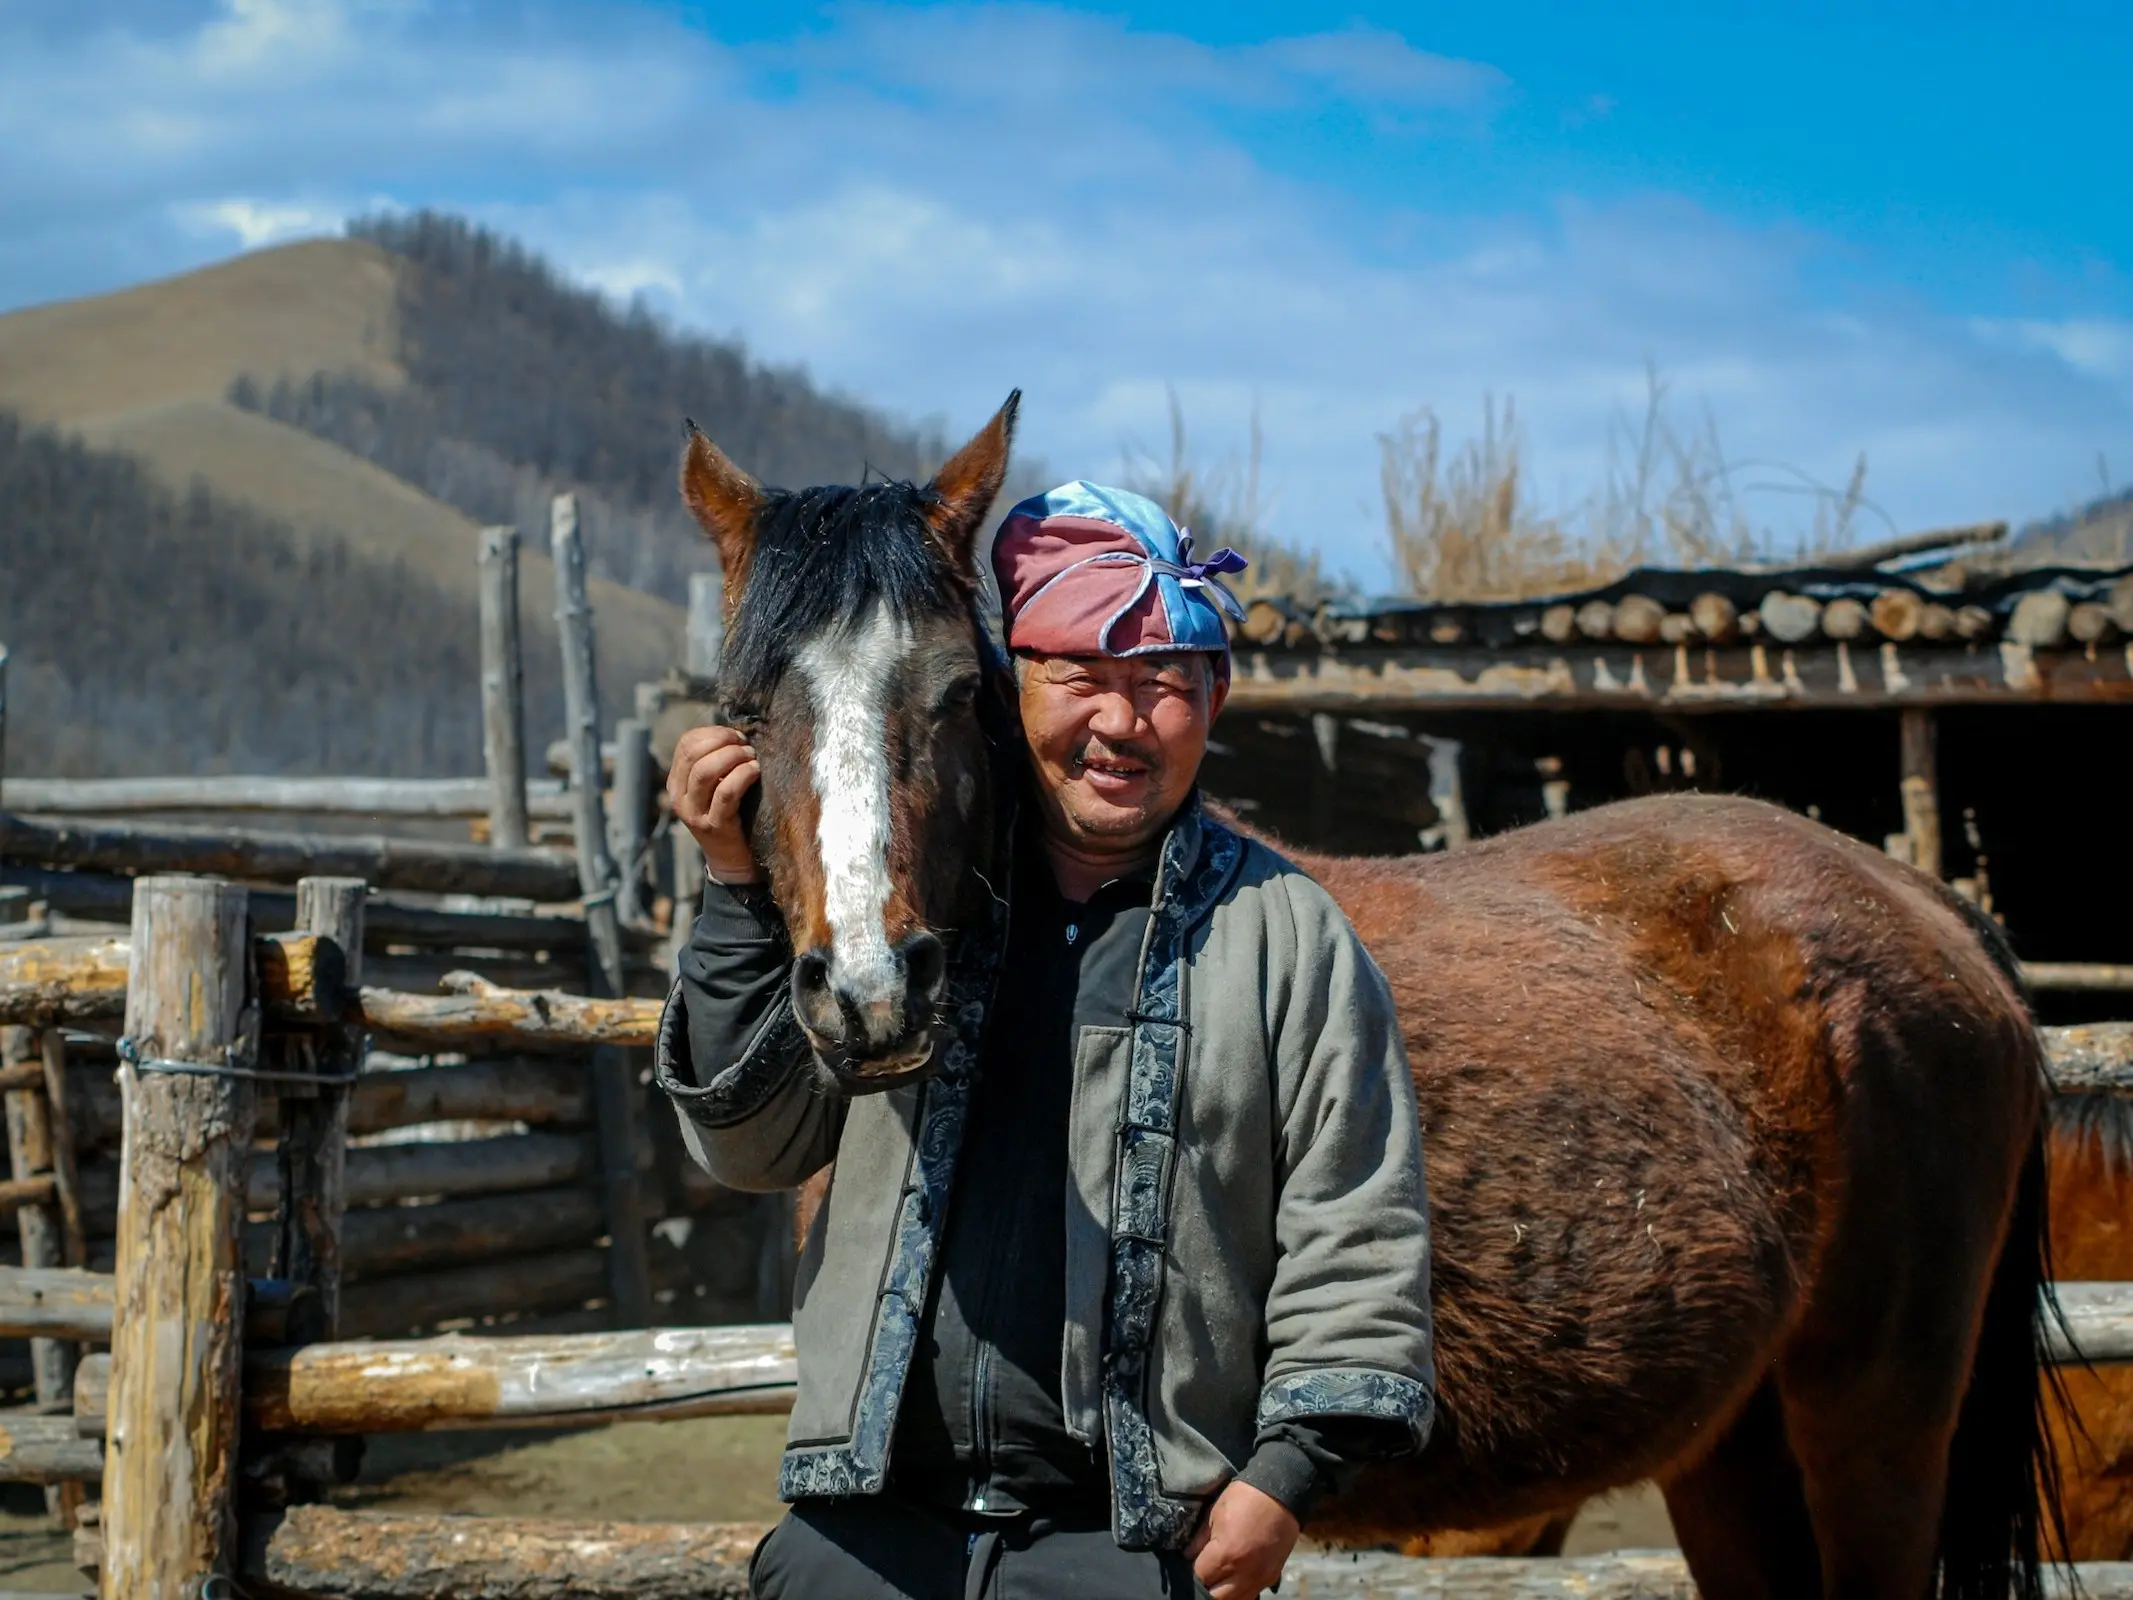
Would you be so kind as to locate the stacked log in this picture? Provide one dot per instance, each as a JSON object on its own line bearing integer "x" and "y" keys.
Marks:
{"x": 1895, "y": 613}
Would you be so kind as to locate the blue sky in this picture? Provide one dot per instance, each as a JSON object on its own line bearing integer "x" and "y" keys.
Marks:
{"x": 1900, "y": 229}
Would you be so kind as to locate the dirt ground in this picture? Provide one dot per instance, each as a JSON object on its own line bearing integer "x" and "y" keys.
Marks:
{"x": 716, "y": 1469}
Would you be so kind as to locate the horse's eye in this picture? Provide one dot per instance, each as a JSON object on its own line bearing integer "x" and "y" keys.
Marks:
{"x": 960, "y": 695}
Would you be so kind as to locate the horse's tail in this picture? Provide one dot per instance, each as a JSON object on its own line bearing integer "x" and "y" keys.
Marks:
{"x": 2003, "y": 1474}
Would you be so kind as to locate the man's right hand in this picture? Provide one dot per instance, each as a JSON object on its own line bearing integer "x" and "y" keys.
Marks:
{"x": 712, "y": 769}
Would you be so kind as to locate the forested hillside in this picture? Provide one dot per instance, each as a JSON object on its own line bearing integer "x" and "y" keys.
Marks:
{"x": 160, "y": 632}
{"x": 520, "y": 384}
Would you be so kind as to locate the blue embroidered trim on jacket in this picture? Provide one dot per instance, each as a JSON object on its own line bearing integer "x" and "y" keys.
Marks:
{"x": 1349, "y": 1392}
{"x": 861, "y": 1465}
{"x": 1198, "y": 860}
{"x": 778, "y": 1050}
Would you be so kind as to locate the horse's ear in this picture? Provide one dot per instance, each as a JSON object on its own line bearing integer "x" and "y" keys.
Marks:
{"x": 725, "y": 500}
{"x": 967, "y": 484}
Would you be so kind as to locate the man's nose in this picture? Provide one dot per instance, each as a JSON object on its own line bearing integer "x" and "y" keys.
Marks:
{"x": 1115, "y": 718}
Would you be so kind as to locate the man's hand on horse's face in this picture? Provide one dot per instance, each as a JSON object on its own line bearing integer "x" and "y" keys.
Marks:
{"x": 712, "y": 770}
{"x": 1116, "y": 742}
{"x": 1243, "y": 1544}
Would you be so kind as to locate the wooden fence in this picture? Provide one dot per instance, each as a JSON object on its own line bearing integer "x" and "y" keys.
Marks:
{"x": 253, "y": 1179}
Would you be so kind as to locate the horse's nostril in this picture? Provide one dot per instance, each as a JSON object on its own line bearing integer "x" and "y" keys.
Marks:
{"x": 925, "y": 961}
{"x": 811, "y": 988}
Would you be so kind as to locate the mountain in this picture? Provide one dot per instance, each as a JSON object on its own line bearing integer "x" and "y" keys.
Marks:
{"x": 507, "y": 384}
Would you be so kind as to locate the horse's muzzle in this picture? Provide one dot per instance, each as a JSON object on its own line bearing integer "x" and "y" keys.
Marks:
{"x": 875, "y": 1034}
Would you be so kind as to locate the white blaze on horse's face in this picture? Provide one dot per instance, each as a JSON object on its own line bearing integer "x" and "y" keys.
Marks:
{"x": 849, "y": 674}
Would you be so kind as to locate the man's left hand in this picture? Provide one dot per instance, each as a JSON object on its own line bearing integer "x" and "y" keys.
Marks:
{"x": 1244, "y": 1543}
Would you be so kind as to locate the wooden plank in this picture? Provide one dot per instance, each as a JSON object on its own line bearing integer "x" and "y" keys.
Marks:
{"x": 171, "y": 1434}
{"x": 285, "y": 857}
{"x": 374, "y": 1555}
{"x": 460, "y": 1381}
{"x": 441, "y": 799}
{"x": 1684, "y": 677}
{"x": 530, "y": 1016}
{"x": 83, "y": 978}
{"x": 39, "y": 1447}
{"x": 503, "y": 689}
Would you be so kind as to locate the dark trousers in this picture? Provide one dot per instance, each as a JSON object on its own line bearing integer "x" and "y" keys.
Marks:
{"x": 882, "y": 1549}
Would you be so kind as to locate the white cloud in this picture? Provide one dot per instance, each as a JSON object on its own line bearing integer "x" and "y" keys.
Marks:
{"x": 929, "y": 207}
{"x": 255, "y": 223}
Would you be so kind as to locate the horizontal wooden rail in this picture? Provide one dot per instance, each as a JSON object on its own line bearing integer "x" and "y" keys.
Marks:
{"x": 385, "y": 863}
{"x": 347, "y": 797}
{"x": 39, "y": 1448}
{"x": 544, "y": 1091}
{"x": 388, "y": 920}
{"x": 317, "y": 1550}
{"x": 480, "y": 1010}
{"x": 527, "y": 1382}
{"x": 83, "y": 979}
{"x": 55, "y": 1303}
{"x": 385, "y": 1240}
{"x": 383, "y": 1555}
{"x": 2095, "y": 1058}
{"x": 2091, "y": 976}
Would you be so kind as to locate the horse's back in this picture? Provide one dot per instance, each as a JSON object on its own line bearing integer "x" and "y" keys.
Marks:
{"x": 1656, "y": 1045}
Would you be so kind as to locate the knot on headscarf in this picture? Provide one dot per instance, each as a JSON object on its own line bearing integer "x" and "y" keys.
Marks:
{"x": 1087, "y": 570}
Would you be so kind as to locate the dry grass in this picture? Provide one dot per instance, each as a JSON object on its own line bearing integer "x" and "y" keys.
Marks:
{"x": 1221, "y": 505}
{"x": 1463, "y": 524}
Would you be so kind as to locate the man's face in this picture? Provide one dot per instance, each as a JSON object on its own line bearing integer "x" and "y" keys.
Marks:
{"x": 1116, "y": 742}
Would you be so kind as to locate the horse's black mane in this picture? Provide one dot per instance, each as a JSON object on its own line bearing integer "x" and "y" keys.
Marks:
{"x": 822, "y": 558}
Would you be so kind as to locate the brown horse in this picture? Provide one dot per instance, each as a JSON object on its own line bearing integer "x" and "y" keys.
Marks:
{"x": 1736, "y": 1174}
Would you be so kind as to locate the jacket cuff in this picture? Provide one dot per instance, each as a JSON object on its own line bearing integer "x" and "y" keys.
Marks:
{"x": 1349, "y": 1392}
{"x": 777, "y": 1050}
{"x": 1279, "y": 1467}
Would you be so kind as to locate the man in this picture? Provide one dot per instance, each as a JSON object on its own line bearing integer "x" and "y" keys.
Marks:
{"x": 1160, "y": 1329}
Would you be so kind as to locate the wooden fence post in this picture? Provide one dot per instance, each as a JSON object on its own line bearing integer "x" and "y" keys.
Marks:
{"x": 633, "y": 803}
{"x": 30, "y": 1148}
{"x": 503, "y": 700}
{"x": 314, "y": 1124}
{"x": 171, "y": 1427}
{"x": 1921, "y": 788}
{"x": 613, "y": 1071}
{"x": 707, "y": 625}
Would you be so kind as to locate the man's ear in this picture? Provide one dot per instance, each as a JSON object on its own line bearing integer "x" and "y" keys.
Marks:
{"x": 967, "y": 484}
{"x": 725, "y": 501}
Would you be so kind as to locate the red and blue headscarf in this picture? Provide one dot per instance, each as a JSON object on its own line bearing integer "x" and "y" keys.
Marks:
{"x": 1090, "y": 571}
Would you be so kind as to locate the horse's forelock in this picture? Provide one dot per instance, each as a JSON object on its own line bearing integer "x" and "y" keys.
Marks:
{"x": 824, "y": 559}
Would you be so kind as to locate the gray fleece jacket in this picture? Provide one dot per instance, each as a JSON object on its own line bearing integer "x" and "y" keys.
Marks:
{"x": 1247, "y": 1236}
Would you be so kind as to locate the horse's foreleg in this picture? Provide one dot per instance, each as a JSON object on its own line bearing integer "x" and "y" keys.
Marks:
{"x": 1740, "y": 1512}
